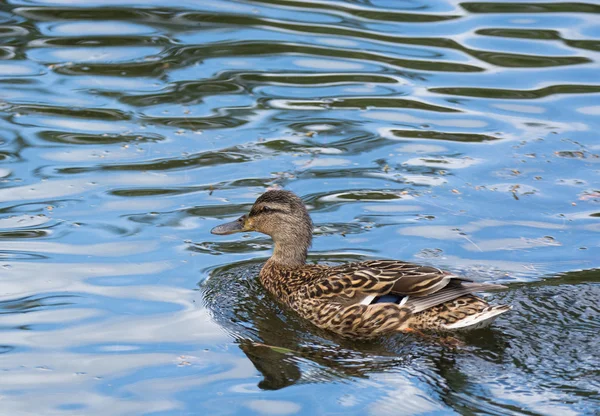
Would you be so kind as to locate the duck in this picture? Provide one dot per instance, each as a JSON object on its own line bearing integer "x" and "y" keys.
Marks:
{"x": 359, "y": 300}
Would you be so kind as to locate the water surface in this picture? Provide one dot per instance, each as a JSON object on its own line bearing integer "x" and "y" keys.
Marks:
{"x": 462, "y": 135}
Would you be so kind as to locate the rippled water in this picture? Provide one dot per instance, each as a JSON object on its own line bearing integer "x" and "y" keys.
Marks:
{"x": 462, "y": 135}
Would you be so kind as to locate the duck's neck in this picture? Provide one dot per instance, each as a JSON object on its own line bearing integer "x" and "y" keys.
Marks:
{"x": 291, "y": 251}
{"x": 286, "y": 254}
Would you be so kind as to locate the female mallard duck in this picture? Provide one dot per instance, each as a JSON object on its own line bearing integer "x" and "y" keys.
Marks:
{"x": 364, "y": 299}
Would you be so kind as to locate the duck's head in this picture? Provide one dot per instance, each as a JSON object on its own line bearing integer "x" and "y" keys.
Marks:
{"x": 282, "y": 216}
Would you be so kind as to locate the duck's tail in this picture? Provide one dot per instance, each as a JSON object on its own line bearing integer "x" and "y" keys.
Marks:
{"x": 455, "y": 307}
{"x": 479, "y": 319}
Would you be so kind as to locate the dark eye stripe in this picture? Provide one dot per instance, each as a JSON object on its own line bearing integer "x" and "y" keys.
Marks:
{"x": 265, "y": 210}
{"x": 269, "y": 209}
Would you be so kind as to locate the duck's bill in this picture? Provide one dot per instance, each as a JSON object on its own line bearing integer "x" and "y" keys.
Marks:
{"x": 229, "y": 227}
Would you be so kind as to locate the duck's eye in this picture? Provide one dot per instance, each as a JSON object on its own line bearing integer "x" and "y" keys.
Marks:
{"x": 267, "y": 209}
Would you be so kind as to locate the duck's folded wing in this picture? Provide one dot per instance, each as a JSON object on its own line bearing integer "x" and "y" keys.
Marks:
{"x": 378, "y": 278}
{"x": 452, "y": 291}
{"x": 421, "y": 287}
{"x": 406, "y": 278}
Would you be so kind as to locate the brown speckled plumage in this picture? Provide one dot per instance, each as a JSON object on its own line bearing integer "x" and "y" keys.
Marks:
{"x": 343, "y": 299}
